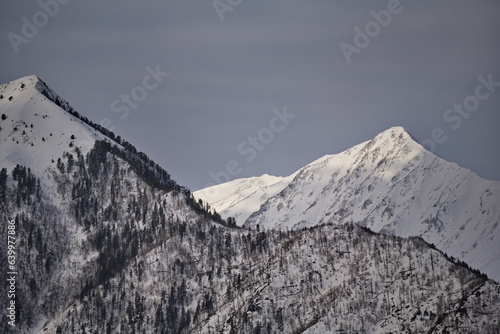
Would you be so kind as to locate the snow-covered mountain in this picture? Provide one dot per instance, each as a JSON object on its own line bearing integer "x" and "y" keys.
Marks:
{"x": 38, "y": 126}
{"x": 390, "y": 184}
{"x": 107, "y": 242}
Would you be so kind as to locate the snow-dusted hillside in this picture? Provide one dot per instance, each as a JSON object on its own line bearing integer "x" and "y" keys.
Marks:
{"x": 37, "y": 128}
{"x": 389, "y": 184}
{"x": 324, "y": 280}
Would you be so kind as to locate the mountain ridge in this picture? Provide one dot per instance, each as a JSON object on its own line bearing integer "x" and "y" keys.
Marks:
{"x": 40, "y": 127}
{"x": 391, "y": 184}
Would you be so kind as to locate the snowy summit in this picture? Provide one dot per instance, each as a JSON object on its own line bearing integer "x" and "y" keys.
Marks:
{"x": 390, "y": 184}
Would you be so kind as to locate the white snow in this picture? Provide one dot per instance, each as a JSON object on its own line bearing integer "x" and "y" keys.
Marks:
{"x": 240, "y": 198}
{"x": 389, "y": 184}
{"x": 36, "y": 146}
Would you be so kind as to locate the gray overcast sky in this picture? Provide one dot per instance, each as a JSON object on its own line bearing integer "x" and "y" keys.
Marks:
{"x": 226, "y": 76}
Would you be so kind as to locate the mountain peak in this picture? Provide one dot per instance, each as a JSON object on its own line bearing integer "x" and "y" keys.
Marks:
{"x": 397, "y": 133}
{"x": 16, "y": 89}
{"x": 27, "y": 80}
{"x": 399, "y": 130}
{"x": 389, "y": 184}
{"x": 38, "y": 125}
{"x": 395, "y": 142}
{"x": 11, "y": 89}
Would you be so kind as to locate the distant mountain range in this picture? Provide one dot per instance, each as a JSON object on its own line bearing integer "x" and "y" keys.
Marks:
{"x": 390, "y": 184}
{"x": 105, "y": 241}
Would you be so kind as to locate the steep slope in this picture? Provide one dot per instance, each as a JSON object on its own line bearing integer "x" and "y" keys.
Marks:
{"x": 391, "y": 184}
{"x": 70, "y": 188}
{"x": 38, "y": 126}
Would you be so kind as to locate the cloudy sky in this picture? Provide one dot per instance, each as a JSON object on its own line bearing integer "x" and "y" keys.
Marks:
{"x": 259, "y": 86}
